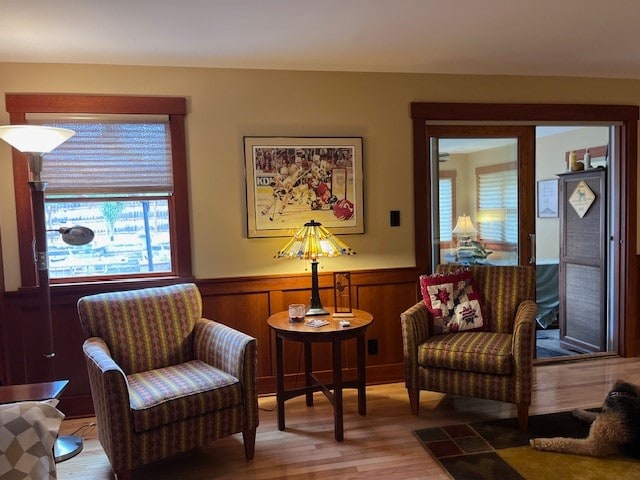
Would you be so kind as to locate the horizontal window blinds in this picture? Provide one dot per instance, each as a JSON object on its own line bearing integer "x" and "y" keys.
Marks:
{"x": 499, "y": 191}
{"x": 445, "y": 204}
{"x": 110, "y": 157}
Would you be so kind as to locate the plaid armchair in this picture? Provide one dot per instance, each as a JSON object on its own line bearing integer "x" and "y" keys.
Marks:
{"x": 495, "y": 364}
{"x": 163, "y": 379}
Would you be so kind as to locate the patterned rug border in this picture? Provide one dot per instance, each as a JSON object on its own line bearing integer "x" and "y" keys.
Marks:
{"x": 460, "y": 450}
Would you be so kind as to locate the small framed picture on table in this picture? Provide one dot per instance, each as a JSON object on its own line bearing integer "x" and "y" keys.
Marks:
{"x": 342, "y": 294}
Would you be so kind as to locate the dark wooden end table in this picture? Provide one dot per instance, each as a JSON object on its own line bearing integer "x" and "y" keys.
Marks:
{"x": 66, "y": 446}
{"x": 334, "y": 333}
{"x": 32, "y": 392}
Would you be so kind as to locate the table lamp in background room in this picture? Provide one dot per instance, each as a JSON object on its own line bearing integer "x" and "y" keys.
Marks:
{"x": 464, "y": 228}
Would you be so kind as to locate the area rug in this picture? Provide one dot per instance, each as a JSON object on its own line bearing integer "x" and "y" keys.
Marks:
{"x": 548, "y": 344}
{"x": 496, "y": 450}
{"x": 542, "y": 352}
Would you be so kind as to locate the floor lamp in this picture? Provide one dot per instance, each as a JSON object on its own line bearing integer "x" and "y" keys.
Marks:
{"x": 35, "y": 141}
{"x": 311, "y": 242}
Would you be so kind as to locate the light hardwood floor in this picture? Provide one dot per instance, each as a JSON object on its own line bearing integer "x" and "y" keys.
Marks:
{"x": 379, "y": 445}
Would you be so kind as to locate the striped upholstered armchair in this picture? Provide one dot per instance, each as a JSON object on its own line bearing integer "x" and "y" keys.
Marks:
{"x": 163, "y": 379}
{"x": 496, "y": 363}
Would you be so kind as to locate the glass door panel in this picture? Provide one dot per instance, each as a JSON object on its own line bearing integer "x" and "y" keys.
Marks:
{"x": 477, "y": 173}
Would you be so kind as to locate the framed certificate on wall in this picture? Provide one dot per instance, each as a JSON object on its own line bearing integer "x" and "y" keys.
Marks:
{"x": 548, "y": 198}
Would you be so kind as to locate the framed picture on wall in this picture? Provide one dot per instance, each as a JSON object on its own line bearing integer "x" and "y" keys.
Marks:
{"x": 292, "y": 180}
{"x": 548, "y": 198}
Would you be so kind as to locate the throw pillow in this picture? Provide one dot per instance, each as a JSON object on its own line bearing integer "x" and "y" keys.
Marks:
{"x": 454, "y": 302}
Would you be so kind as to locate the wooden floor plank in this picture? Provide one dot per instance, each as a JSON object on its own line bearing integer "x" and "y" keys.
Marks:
{"x": 378, "y": 446}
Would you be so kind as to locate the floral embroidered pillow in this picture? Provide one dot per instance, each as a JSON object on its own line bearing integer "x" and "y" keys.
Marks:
{"x": 454, "y": 302}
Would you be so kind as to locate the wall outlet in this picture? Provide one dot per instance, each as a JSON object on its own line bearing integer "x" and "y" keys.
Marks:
{"x": 394, "y": 218}
{"x": 372, "y": 346}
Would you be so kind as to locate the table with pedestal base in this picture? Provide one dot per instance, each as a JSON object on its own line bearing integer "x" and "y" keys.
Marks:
{"x": 334, "y": 333}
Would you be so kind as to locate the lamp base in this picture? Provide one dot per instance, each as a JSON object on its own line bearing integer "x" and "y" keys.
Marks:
{"x": 465, "y": 241}
{"x": 316, "y": 311}
{"x": 66, "y": 447}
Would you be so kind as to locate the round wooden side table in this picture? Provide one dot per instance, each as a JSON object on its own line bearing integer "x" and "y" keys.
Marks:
{"x": 332, "y": 332}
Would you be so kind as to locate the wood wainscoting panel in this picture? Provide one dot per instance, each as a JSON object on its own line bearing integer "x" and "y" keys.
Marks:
{"x": 386, "y": 303}
{"x": 68, "y": 339}
{"x": 246, "y": 312}
{"x": 242, "y": 303}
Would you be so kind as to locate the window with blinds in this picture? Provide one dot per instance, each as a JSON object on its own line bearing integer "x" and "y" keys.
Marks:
{"x": 123, "y": 174}
{"x": 114, "y": 177}
{"x": 110, "y": 157}
{"x": 445, "y": 204}
{"x": 497, "y": 194}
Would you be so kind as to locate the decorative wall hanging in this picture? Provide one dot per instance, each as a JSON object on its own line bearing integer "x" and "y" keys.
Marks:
{"x": 548, "y": 198}
{"x": 291, "y": 180}
{"x": 582, "y": 198}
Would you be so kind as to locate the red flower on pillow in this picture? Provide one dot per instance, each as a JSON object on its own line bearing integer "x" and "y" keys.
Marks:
{"x": 443, "y": 295}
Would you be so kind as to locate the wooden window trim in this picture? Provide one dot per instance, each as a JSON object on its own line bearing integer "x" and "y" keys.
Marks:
{"x": 19, "y": 105}
{"x": 498, "y": 167}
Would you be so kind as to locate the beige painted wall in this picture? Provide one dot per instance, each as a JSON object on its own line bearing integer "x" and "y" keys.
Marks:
{"x": 225, "y": 105}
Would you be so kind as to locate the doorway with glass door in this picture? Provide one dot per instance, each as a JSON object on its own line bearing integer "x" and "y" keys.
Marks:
{"x": 575, "y": 201}
{"x": 503, "y": 196}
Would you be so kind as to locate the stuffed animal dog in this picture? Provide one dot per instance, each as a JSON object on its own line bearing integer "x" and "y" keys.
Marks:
{"x": 616, "y": 429}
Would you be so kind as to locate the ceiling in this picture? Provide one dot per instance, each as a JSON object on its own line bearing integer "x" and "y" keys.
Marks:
{"x": 592, "y": 38}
